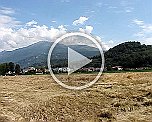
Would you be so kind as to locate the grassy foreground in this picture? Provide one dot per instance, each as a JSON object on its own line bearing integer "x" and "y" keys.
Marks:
{"x": 116, "y": 97}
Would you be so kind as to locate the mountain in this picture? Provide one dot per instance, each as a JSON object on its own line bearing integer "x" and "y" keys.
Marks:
{"x": 36, "y": 54}
{"x": 129, "y": 54}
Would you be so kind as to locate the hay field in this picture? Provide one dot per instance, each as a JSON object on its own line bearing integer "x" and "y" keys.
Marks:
{"x": 116, "y": 97}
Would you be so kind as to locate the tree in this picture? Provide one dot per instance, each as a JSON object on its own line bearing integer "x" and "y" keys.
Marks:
{"x": 109, "y": 68}
{"x": 17, "y": 69}
{"x": 11, "y": 67}
{"x": 2, "y": 69}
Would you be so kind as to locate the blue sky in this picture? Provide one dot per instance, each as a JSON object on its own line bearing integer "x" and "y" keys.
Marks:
{"x": 114, "y": 21}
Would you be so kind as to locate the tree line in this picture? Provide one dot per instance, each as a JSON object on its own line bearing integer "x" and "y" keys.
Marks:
{"x": 11, "y": 68}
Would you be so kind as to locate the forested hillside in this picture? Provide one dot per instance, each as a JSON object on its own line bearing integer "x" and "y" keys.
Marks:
{"x": 129, "y": 54}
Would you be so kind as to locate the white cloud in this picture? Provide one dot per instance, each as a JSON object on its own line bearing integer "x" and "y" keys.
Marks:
{"x": 6, "y": 11}
{"x": 129, "y": 9}
{"x": 6, "y": 20}
{"x": 13, "y": 35}
{"x": 62, "y": 27}
{"x": 145, "y": 33}
{"x": 11, "y": 39}
{"x": 138, "y": 22}
{"x": 125, "y": 6}
{"x": 31, "y": 23}
{"x": 81, "y": 20}
{"x": 53, "y": 21}
{"x": 105, "y": 45}
{"x": 145, "y": 29}
{"x": 78, "y": 40}
{"x": 88, "y": 29}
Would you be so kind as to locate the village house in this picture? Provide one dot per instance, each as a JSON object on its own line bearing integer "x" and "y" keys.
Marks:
{"x": 9, "y": 73}
{"x": 61, "y": 70}
{"x": 90, "y": 69}
{"x": 119, "y": 68}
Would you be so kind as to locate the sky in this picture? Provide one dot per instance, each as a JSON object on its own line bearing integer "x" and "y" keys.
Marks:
{"x": 24, "y": 22}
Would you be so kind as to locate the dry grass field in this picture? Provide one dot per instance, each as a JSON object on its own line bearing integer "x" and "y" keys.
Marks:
{"x": 116, "y": 97}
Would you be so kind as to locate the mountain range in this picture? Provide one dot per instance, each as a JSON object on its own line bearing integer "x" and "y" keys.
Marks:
{"x": 128, "y": 54}
{"x": 36, "y": 54}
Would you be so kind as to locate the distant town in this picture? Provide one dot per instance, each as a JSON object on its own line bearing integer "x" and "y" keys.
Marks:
{"x": 11, "y": 69}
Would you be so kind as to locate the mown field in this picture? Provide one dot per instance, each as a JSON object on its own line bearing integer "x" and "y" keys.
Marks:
{"x": 116, "y": 97}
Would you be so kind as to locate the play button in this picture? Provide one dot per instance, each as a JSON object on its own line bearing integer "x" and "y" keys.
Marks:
{"x": 76, "y": 61}
{"x": 75, "y": 46}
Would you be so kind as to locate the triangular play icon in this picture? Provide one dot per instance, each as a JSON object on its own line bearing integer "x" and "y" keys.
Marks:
{"x": 76, "y": 61}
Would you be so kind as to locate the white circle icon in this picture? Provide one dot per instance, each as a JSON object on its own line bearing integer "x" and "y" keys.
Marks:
{"x": 76, "y": 60}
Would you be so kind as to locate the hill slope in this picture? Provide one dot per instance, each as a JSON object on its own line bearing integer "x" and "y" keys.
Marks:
{"x": 129, "y": 54}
